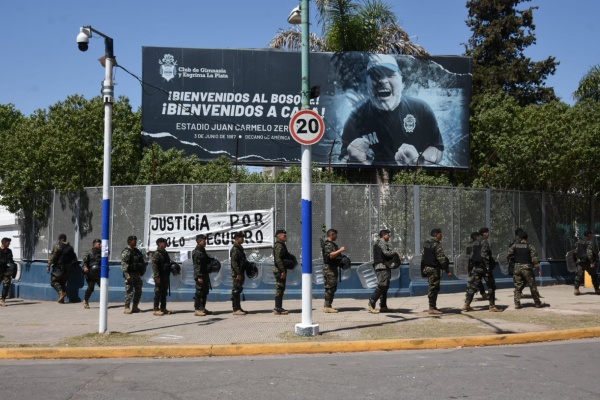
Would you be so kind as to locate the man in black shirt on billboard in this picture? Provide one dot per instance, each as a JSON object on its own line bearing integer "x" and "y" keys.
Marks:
{"x": 390, "y": 128}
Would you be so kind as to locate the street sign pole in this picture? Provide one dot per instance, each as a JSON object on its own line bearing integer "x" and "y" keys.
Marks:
{"x": 306, "y": 327}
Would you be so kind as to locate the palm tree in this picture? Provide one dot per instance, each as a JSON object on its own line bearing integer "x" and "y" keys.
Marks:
{"x": 352, "y": 25}
{"x": 589, "y": 86}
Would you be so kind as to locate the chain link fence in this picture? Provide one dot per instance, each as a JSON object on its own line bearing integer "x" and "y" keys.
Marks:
{"x": 358, "y": 212}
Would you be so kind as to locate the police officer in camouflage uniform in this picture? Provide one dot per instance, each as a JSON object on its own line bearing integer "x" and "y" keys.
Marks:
{"x": 332, "y": 255}
{"x": 586, "y": 255}
{"x": 525, "y": 259}
{"x": 434, "y": 260}
{"x": 238, "y": 261}
{"x": 201, "y": 262}
{"x": 61, "y": 259}
{"x": 280, "y": 256}
{"x": 6, "y": 257}
{"x": 161, "y": 273}
{"x": 469, "y": 251}
{"x": 381, "y": 253}
{"x": 133, "y": 266}
{"x": 481, "y": 269}
{"x": 91, "y": 270}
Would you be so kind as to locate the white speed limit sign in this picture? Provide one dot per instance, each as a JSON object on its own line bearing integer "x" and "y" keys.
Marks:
{"x": 307, "y": 127}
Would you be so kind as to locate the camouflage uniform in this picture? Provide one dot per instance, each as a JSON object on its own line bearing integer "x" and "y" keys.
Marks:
{"x": 586, "y": 254}
{"x": 525, "y": 259}
{"x": 6, "y": 256}
{"x": 434, "y": 260}
{"x": 481, "y": 269}
{"x": 238, "y": 259}
{"x": 201, "y": 260}
{"x": 92, "y": 257}
{"x": 469, "y": 251}
{"x": 280, "y": 253}
{"x": 62, "y": 257}
{"x": 330, "y": 271}
{"x": 133, "y": 266}
{"x": 381, "y": 252}
{"x": 161, "y": 268}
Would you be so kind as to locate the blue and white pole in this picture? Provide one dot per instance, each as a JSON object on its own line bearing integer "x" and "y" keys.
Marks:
{"x": 108, "y": 94}
{"x": 306, "y": 328}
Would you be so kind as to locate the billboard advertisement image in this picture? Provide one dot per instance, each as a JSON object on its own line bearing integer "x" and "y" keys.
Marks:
{"x": 379, "y": 110}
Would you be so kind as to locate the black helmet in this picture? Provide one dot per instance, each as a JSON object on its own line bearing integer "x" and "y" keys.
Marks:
{"x": 291, "y": 262}
{"x": 345, "y": 263}
{"x": 95, "y": 271}
{"x": 175, "y": 268}
{"x": 11, "y": 269}
{"x": 251, "y": 269}
{"x": 214, "y": 266}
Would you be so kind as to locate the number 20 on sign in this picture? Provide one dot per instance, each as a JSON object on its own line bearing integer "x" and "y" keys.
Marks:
{"x": 307, "y": 127}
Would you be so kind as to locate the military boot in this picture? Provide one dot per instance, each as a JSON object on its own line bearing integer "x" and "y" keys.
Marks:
{"x": 239, "y": 312}
{"x": 329, "y": 310}
{"x": 280, "y": 311}
{"x": 199, "y": 313}
{"x": 576, "y": 292}
{"x": 3, "y": 302}
{"x": 384, "y": 309}
{"x": 371, "y": 308}
{"x": 494, "y": 309}
{"x": 158, "y": 313}
{"x": 434, "y": 311}
{"x": 468, "y": 308}
{"x": 126, "y": 310}
{"x": 61, "y": 297}
{"x": 86, "y": 305}
{"x": 135, "y": 308}
{"x": 518, "y": 306}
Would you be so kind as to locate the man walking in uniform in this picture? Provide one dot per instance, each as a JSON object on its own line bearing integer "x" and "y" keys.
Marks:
{"x": 201, "y": 261}
{"x": 238, "y": 261}
{"x": 6, "y": 258}
{"x": 381, "y": 253}
{"x": 91, "y": 270}
{"x": 61, "y": 259}
{"x": 481, "y": 262}
{"x": 280, "y": 257}
{"x": 161, "y": 273}
{"x": 525, "y": 259}
{"x": 332, "y": 256}
{"x": 433, "y": 261}
{"x": 133, "y": 266}
{"x": 586, "y": 255}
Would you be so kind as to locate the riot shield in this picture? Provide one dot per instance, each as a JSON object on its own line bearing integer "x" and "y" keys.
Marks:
{"x": 571, "y": 263}
{"x": 461, "y": 266}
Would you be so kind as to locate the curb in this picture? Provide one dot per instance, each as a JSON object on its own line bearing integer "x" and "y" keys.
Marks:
{"x": 223, "y": 350}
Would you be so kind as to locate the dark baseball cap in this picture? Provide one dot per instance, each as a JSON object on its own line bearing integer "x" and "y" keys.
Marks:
{"x": 130, "y": 238}
{"x": 279, "y": 231}
{"x": 238, "y": 234}
{"x": 161, "y": 240}
{"x": 97, "y": 241}
{"x": 383, "y": 232}
{"x": 483, "y": 230}
{"x": 330, "y": 231}
{"x": 200, "y": 237}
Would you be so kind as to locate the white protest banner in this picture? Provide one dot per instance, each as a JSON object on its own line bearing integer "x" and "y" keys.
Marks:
{"x": 180, "y": 230}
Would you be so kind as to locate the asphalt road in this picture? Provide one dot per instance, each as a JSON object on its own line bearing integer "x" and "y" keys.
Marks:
{"x": 555, "y": 371}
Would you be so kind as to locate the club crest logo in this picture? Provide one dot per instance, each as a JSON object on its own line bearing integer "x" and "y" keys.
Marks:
{"x": 410, "y": 122}
{"x": 167, "y": 67}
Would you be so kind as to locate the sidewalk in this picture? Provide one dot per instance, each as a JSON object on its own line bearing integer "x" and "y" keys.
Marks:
{"x": 32, "y": 329}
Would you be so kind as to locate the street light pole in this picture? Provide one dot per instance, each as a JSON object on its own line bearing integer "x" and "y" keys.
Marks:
{"x": 108, "y": 93}
{"x": 306, "y": 327}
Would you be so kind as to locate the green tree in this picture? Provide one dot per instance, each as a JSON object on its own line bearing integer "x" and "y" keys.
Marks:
{"x": 500, "y": 35}
{"x": 62, "y": 148}
{"x": 589, "y": 86}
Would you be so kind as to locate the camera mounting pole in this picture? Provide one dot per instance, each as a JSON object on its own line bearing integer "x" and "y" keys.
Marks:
{"x": 108, "y": 92}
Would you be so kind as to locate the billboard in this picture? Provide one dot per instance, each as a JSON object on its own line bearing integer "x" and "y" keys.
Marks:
{"x": 379, "y": 110}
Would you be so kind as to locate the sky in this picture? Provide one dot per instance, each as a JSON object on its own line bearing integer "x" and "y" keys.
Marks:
{"x": 41, "y": 64}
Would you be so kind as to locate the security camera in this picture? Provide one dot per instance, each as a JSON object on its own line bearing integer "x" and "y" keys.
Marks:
{"x": 83, "y": 38}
